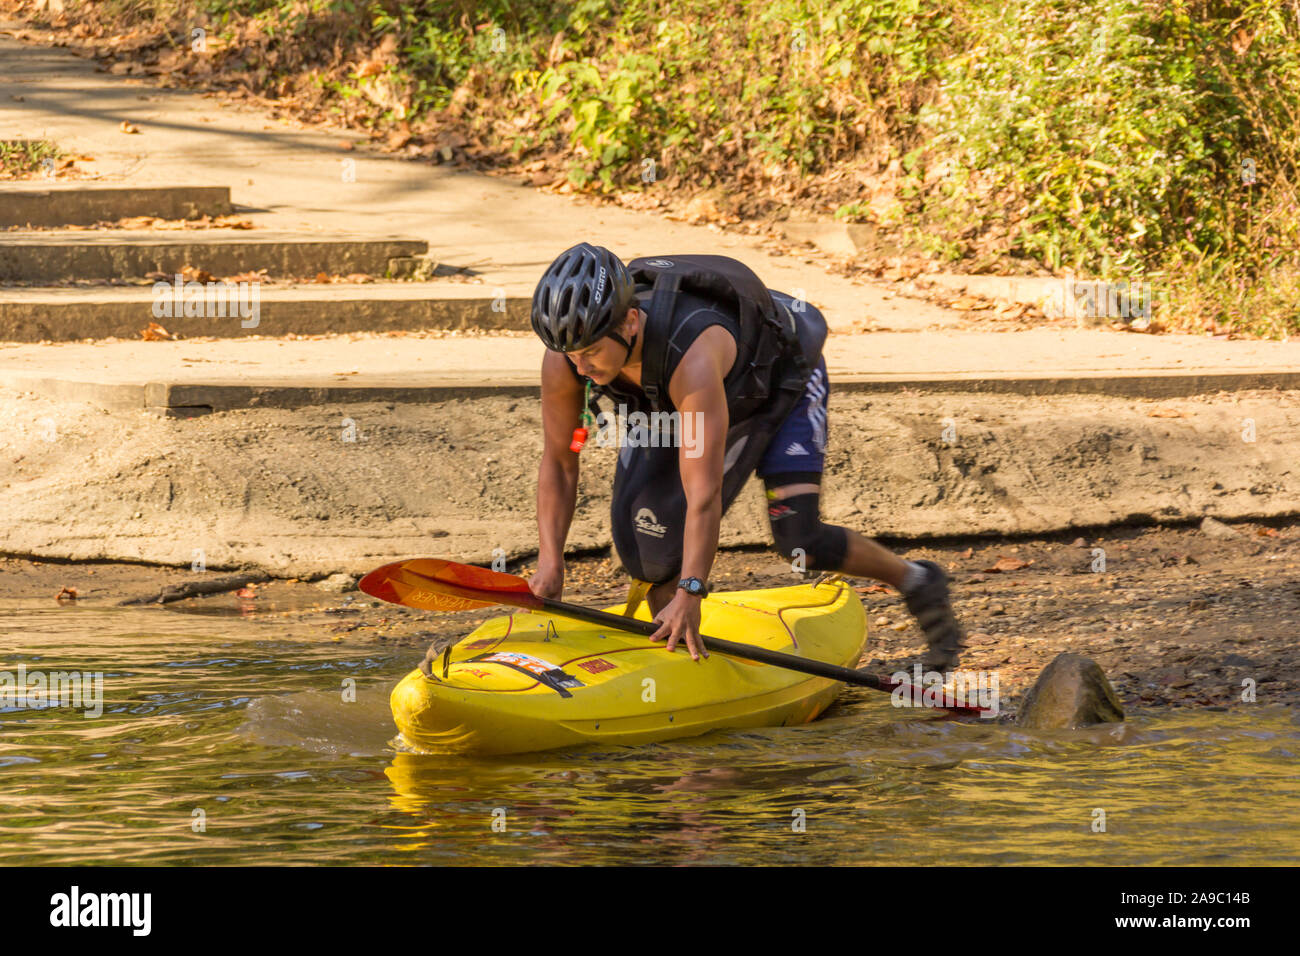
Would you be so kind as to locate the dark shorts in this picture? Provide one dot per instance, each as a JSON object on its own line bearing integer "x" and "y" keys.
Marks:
{"x": 648, "y": 507}
{"x": 800, "y": 444}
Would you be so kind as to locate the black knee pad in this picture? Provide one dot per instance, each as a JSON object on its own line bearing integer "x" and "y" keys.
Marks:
{"x": 796, "y": 524}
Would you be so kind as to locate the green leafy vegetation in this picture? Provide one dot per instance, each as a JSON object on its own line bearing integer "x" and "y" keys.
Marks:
{"x": 1130, "y": 139}
{"x": 24, "y": 158}
{"x": 1148, "y": 140}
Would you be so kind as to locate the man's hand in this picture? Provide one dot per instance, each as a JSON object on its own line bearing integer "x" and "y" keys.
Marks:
{"x": 680, "y": 620}
{"x": 548, "y": 580}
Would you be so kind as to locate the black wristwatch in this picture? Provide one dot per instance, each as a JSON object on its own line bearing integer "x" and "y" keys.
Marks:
{"x": 694, "y": 586}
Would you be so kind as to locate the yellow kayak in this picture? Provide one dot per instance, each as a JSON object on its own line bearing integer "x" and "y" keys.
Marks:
{"x": 536, "y": 681}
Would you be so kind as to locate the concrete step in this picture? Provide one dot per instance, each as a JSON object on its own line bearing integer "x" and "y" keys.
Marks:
{"x": 77, "y": 204}
{"x": 73, "y": 314}
{"x": 193, "y": 378}
{"x": 54, "y": 257}
{"x": 181, "y": 399}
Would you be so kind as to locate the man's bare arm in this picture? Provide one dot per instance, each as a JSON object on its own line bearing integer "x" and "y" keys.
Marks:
{"x": 698, "y": 393}
{"x": 557, "y": 477}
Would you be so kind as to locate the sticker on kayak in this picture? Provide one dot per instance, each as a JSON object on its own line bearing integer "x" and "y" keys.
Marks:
{"x": 596, "y": 665}
{"x": 544, "y": 671}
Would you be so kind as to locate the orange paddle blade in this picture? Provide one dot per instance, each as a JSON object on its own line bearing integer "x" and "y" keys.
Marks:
{"x": 434, "y": 584}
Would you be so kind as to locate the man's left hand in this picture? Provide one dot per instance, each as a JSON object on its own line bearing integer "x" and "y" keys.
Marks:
{"x": 680, "y": 620}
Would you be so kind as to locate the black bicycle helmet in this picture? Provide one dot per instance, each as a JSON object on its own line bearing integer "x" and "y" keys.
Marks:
{"x": 582, "y": 297}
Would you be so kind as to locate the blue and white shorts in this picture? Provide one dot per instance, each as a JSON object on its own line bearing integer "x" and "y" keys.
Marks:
{"x": 799, "y": 445}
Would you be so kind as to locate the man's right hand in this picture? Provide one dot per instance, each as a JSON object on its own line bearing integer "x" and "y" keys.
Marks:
{"x": 548, "y": 580}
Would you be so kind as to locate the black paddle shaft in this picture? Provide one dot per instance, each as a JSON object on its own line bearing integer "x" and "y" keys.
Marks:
{"x": 731, "y": 648}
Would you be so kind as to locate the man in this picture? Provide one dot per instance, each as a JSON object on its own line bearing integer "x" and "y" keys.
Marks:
{"x": 668, "y": 502}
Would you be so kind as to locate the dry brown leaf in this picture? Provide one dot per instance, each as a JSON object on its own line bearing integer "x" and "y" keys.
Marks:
{"x": 155, "y": 333}
{"x": 556, "y": 53}
{"x": 872, "y": 589}
{"x": 1005, "y": 563}
{"x": 1268, "y": 533}
{"x": 451, "y": 138}
{"x": 67, "y": 594}
{"x": 703, "y": 207}
{"x": 195, "y": 274}
{"x": 128, "y": 127}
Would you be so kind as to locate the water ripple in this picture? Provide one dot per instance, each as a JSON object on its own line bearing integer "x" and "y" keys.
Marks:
{"x": 230, "y": 740}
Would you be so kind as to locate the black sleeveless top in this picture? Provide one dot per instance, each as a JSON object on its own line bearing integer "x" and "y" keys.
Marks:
{"x": 694, "y": 315}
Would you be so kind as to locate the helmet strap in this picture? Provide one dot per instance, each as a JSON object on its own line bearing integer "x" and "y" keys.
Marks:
{"x": 625, "y": 343}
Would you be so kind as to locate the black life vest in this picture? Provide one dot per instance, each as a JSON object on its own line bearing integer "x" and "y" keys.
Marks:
{"x": 775, "y": 352}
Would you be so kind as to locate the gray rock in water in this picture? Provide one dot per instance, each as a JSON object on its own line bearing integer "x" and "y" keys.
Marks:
{"x": 1071, "y": 692}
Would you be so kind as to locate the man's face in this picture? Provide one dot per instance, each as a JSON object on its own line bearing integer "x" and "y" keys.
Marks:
{"x": 602, "y": 360}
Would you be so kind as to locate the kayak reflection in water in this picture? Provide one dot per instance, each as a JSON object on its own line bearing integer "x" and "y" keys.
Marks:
{"x": 698, "y": 344}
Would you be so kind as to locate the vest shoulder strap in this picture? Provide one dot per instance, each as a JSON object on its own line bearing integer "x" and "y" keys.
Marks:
{"x": 721, "y": 279}
{"x": 658, "y": 332}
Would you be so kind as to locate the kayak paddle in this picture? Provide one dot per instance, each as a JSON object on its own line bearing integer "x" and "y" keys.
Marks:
{"x": 435, "y": 584}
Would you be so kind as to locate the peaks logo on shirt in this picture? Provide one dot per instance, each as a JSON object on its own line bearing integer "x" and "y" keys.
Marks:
{"x": 660, "y": 263}
{"x": 647, "y": 523}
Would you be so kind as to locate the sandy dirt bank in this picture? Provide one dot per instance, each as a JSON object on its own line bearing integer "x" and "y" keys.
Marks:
{"x": 1179, "y": 618}
{"x": 311, "y": 491}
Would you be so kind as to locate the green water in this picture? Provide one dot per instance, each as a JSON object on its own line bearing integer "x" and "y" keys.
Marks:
{"x": 243, "y": 719}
